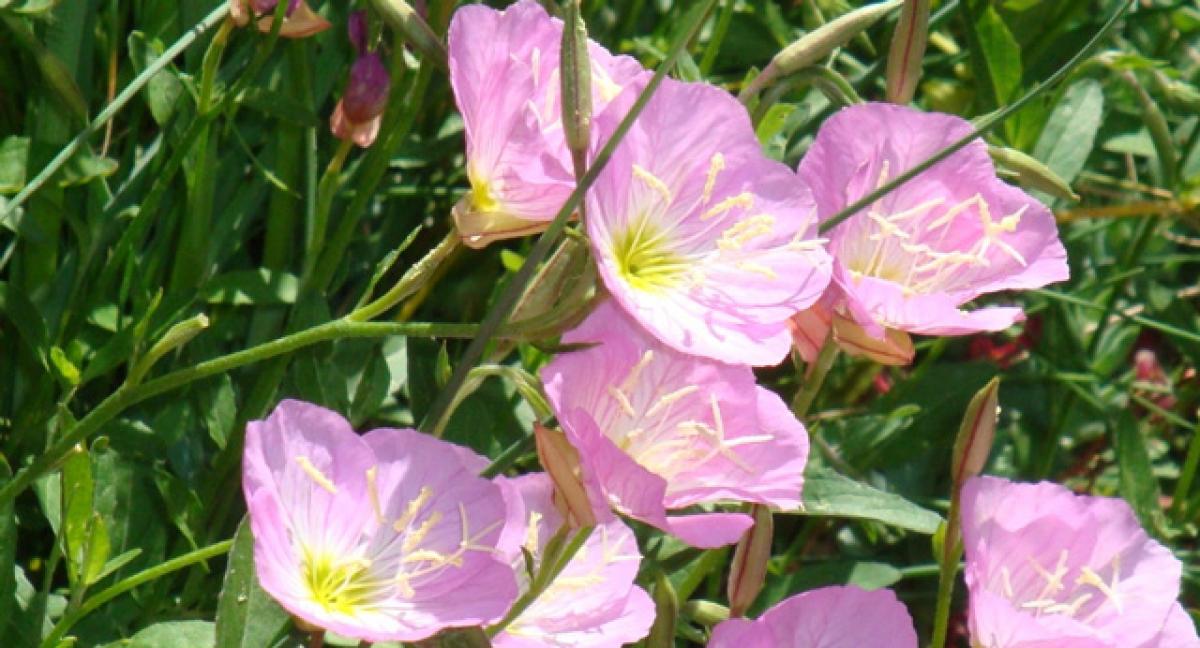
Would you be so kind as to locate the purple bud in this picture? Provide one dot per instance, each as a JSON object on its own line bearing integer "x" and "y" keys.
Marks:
{"x": 268, "y": 6}
{"x": 357, "y": 26}
{"x": 367, "y": 92}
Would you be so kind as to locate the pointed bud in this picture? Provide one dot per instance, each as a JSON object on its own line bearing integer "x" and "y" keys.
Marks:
{"x": 907, "y": 51}
{"x": 576, "y": 77}
{"x": 561, "y": 461}
{"x": 894, "y": 349}
{"x": 817, "y": 44}
{"x": 175, "y": 337}
{"x": 749, "y": 569}
{"x": 357, "y": 116}
{"x": 705, "y": 613}
{"x": 1029, "y": 172}
{"x": 976, "y": 433}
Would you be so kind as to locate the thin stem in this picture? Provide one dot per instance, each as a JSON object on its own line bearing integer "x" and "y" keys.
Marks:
{"x": 947, "y": 574}
{"x": 1187, "y": 475}
{"x": 326, "y": 189}
{"x": 985, "y": 125}
{"x": 412, "y": 280}
{"x": 512, "y": 292}
{"x": 217, "y": 15}
{"x": 814, "y": 377}
{"x": 718, "y": 36}
{"x": 117, "y": 589}
{"x": 552, "y": 566}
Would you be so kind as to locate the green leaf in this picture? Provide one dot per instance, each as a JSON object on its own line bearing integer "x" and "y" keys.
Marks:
{"x": 252, "y": 288}
{"x": 828, "y": 494}
{"x": 14, "y": 160}
{"x": 8, "y": 551}
{"x": 77, "y": 488}
{"x": 1070, "y": 131}
{"x": 773, "y": 122}
{"x": 86, "y": 166}
{"x": 28, "y": 6}
{"x": 1001, "y": 55}
{"x": 172, "y": 634}
{"x": 1139, "y": 487}
{"x": 247, "y": 617}
{"x": 164, "y": 88}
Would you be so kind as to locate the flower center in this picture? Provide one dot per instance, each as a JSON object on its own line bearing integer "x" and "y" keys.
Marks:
{"x": 644, "y": 259}
{"x": 339, "y": 584}
{"x": 1060, "y": 594}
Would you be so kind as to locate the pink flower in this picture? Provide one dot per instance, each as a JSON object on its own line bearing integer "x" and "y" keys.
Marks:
{"x": 1046, "y": 567}
{"x": 299, "y": 19}
{"x": 657, "y": 429}
{"x": 912, "y": 259}
{"x": 830, "y": 617}
{"x": 707, "y": 243}
{"x": 384, "y": 537}
{"x": 504, "y": 67}
{"x": 593, "y": 603}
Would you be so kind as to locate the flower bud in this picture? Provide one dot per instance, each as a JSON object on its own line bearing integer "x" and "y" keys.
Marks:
{"x": 907, "y": 51}
{"x": 895, "y": 348}
{"x": 576, "y": 77}
{"x": 262, "y": 7}
{"x": 299, "y": 19}
{"x": 749, "y": 569}
{"x": 561, "y": 461}
{"x": 357, "y": 115}
{"x": 817, "y": 44}
{"x": 976, "y": 433}
{"x": 809, "y": 330}
{"x": 1029, "y": 172}
{"x": 359, "y": 30}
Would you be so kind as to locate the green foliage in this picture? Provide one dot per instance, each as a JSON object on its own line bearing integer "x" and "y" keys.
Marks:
{"x": 210, "y": 191}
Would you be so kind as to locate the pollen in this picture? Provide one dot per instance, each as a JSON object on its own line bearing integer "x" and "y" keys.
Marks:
{"x": 373, "y": 494}
{"x": 736, "y": 236}
{"x": 340, "y": 584}
{"x": 315, "y": 473}
{"x": 745, "y": 200}
{"x": 413, "y": 509}
{"x": 653, "y": 181}
{"x": 715, "y": 166}
{"x": 415, "y": 538}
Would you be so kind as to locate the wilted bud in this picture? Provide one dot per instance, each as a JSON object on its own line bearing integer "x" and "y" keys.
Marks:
{"x": 561, "y": 461}
{"x": 809, "y": 329}
{"x": 817, "y": 44}
{"x": 576, "y": 76}
{"x": 358, "y": 114}
{"x": 749, "y": 569}
{"x": 895, "y": 348}
{"x": 1028, "y": 171}
{"x": 976, "y": 433}
{"x": 299, "y": 21}
{"x": 359, "y": 30}
{"x": 907, "y": 51}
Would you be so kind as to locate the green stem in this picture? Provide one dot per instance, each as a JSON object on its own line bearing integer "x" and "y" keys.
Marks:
{"x": 412, "y": 280}
{"x": 985, "y": 125}
{"x": 126, "y": 396}
{"x": 1186, "y": 476}
{"x": 218, "y": 14}
{"x": 947, "y": 574}
{"x": 814, "y": 377}
{"x": 552, "y": 565}
{"x": 326, "y": 189}
{"x": 512, "y": 292}
{"x": 117, "y": 589}
{"x": 714, "y": 43}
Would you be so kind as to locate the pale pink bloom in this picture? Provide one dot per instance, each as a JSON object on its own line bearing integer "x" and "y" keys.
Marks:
{"x": 1049, "y": 568}
{"x": 829, "y": 617}
{"x": 955, "y": 232}
{"x": 657, "y": 429}
{"x": 384, "y": 537}
{"x": 594, "y": 602}
{"x": 706, "y": 242}
{"x": 504, "y": 67}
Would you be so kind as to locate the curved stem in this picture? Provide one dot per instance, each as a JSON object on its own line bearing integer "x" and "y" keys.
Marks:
{"x": 117, "y": 589}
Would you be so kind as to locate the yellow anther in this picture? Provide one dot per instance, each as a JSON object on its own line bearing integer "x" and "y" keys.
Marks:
{"x": 1089, "y": 577}
{"x": 623, "y": 401}
{"x": 373, "y": 494}
{"x": 637, "y": 369}
{"x": 405, "y": 587}
{"x": 531, "y": 531}
{"x": 954, "y": 211}
{"x": 916, "y": 209}
{"x": 608, "y": 88}
{"x": 415, "y": 538}
{"x": 1054, "y": 581}
{"x": 746, "y": 230}
{"x": 745, "y": 200}
{"x": 429, "y": 555}
{"x": 1072, "y": 608}
{"x": 1006, "y": 582}
{"x": 316, "y": 475}
{"x": 413, "y": 509}
{"x": 653, "y": 182}
{"x": 715, "y": 166}
{"x": 757, "y": 268}
{"x": 669, "y": 399}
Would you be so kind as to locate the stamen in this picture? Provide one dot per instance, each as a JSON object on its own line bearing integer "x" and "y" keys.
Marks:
{"x": 373, "y": 494}
{"x": 744, "y": 200}
{"x": 757, "y": 268}
{"x": 531, "y": 531}
{"x": 746, "y": 230}
{"x": 671, "y": 398}
{"x": 1072, "y": 608}
{"x": 1089, "y": 577}
{"x": 953, "y": 212}
{"x": 623, "y": 401}
{"x": 412, "y": 509}
{"x": 414, "y": 538}
{"x": 316, "y": 475}
{"x": 1006, "y": 582}
{"x": 715, "y": 166}
{"x": 653, "y": 182}
{"x": 637, "y": 369}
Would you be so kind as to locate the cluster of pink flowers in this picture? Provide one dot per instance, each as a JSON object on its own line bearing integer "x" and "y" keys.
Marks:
{"x": 710, "y": 253}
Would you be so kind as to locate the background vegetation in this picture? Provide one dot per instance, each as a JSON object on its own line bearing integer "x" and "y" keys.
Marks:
{"x": 205, "y": 194}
